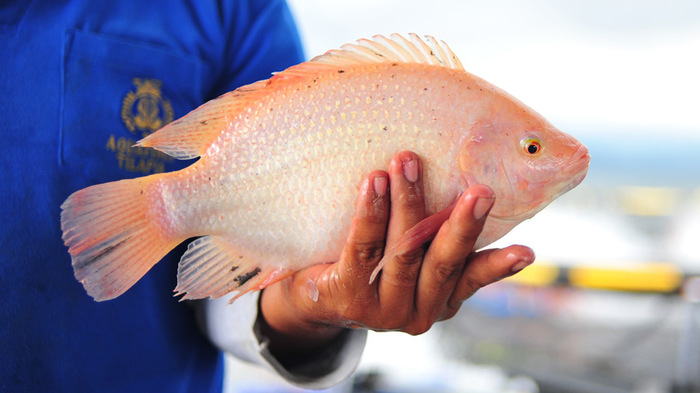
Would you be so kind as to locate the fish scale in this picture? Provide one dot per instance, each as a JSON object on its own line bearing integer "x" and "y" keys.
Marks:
{"x": 321, "y": 151}
{"x": 281, "y": 162}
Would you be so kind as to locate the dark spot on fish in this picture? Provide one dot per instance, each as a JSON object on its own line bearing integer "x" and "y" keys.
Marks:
{"x": 425, "y": 89}
{"x": 341, "y": 71}
{"x": 369, "y": 141}
{"x": 234, "y": 268}
{"x": 384, "y": 128}
{"x": 394, "y": 64}
{"x": 204, "y": 122}
{"x": 432, "y": 53}
{"x": 243, "y": 278}
{"x": 106, "y": 251}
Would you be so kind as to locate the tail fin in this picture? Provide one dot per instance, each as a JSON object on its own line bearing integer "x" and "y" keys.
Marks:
{"x": 111, "y": 238}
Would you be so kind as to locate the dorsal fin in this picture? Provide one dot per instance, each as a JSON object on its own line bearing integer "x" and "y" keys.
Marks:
{"x": 190, "y": 136}
{"x": 379, "y": 49}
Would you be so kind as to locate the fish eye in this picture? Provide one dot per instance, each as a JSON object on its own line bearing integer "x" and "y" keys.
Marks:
{"x": 531, "y": 146}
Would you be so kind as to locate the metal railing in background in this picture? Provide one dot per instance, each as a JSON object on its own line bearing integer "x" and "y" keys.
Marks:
{"x": 687, "y": 376}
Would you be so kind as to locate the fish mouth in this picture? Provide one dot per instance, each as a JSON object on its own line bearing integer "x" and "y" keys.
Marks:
{"x": 577, "y": 168}
{"x": 581, "y": 157}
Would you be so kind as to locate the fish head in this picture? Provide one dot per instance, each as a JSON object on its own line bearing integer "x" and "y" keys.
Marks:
{"x": 524, "y": 159}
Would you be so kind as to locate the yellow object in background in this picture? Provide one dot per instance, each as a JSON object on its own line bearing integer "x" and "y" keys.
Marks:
{"x": 650, "y": 277}
{"x": 538, "y": 274}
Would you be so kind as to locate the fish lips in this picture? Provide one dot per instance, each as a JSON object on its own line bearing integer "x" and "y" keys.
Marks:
{"x": 578, "y": 166}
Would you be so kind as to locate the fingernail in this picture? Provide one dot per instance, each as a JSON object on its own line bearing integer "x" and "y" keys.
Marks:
{"x": 311, "y": 290}
{"x": 519, "y": 266}
{"x": 410, "y": 170}
{"x": 364, "y": 187}
{"x": 380, "y": 185}
{"x": 519, "y": 262}
{"x": 482, "y": 206}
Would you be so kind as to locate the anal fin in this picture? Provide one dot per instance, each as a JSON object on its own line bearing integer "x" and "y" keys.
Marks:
{"x": 213, "y": 267}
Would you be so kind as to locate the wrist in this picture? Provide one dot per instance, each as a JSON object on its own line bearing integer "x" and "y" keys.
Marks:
{"x": 290, "y": 328}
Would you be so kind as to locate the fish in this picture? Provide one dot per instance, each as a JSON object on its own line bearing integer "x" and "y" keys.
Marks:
{"x": 281, "y": 161}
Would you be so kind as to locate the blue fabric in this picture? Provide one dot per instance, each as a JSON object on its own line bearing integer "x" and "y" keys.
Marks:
{"x": 80, "y": 82}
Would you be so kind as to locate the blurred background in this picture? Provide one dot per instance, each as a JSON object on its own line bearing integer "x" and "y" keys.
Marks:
{"x": 610, "y": 304}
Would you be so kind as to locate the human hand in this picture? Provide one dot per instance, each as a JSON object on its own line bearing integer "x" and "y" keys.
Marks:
{"x": 414, "y": 290}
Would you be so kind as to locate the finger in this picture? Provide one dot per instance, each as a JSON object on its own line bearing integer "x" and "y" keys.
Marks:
{"x": 447, "y": 255}
{"x": 365, "y": 244}
{"x": 397, "y": 283}
{"x": 407, "y": 198}
{"x": 486, "y": 267}
{"x": 407, "y": 209}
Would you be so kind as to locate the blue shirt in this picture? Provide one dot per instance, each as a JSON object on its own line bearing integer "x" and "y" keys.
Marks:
{"x": 80, "y": 82}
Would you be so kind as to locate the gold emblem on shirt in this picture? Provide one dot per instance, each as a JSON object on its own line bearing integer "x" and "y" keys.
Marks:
{"x": 145, "y": 110}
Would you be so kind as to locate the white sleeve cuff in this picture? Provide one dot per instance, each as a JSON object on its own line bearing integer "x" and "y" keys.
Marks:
{"x": 232, "y": 328}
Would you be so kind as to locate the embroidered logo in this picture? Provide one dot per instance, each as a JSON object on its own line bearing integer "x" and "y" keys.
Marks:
{"x": 145, "y": 110}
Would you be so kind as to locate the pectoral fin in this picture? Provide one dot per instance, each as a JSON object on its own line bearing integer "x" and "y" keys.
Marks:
{"x": 415, "y": 237}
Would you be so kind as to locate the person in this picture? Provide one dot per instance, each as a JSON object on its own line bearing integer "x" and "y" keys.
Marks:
{"x": 81, "y": 81}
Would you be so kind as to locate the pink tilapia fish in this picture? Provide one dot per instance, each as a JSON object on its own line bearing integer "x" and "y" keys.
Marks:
{"x": 281, "y": 162}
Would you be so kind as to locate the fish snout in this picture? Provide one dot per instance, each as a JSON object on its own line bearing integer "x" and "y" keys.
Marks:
{"x": 582, "y": 155}
{"x": 578, "y": 166}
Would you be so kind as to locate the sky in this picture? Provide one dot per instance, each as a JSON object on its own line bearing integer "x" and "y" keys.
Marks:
{"x": 590, "y": 67}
